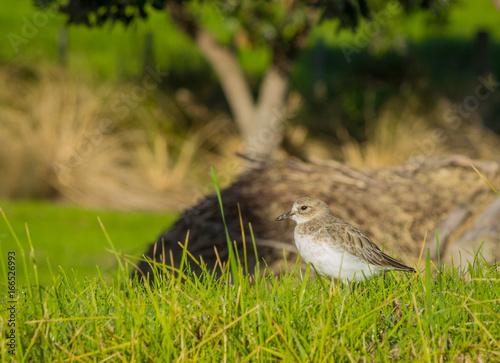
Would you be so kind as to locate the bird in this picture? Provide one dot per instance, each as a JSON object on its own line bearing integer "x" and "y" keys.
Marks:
{"x": 335, "y": 248}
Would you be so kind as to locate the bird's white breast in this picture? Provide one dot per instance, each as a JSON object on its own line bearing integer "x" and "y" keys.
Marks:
{"x": 332, "y": 260}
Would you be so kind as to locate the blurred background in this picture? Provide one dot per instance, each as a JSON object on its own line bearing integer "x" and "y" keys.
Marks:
{"x": 77, "y": 123}
{"x": 131, "y": 117}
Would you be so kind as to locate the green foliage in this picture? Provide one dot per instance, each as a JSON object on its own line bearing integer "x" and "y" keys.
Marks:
{"x": 282, "y": 26}
{"x": 115, "y": 51}
{"x": 109, "y": 52}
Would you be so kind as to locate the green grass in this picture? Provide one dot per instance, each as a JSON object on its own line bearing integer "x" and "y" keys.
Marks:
{"x": 72, "y": 238}
{"x": 428, "y": 316}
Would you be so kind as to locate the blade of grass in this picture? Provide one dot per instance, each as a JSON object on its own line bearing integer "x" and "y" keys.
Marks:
{"x": 485, "y": 180}
{"x": 21, "y": 249}
{"x": 440, "y": 282}
{"x": 244, "y": 240}
{"x": 232, "y": 257}
{"x": 428, "y": 288}
{"x": 115, "y": 252}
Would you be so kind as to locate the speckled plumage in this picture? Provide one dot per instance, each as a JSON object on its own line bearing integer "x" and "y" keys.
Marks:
{"x": 334, "y": 247}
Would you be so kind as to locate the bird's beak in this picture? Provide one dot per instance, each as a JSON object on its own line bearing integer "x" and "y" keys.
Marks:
{"x": 284, "y": 216}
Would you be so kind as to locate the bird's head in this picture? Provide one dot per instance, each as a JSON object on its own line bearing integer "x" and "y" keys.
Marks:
{"x": 306, "y": 209}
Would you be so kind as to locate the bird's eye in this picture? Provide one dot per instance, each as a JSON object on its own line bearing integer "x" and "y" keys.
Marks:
{"x": 304, "y": 207}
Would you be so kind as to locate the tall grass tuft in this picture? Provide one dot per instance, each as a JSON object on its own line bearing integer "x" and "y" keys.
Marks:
{"x": 65, "y": 138}
{"x": 406, "y": 129}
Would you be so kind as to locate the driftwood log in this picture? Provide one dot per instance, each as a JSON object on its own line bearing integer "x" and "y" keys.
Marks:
{"x": 399, "y": 207}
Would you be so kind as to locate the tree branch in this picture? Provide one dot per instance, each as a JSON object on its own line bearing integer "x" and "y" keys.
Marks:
{"x": 232, "y": 79}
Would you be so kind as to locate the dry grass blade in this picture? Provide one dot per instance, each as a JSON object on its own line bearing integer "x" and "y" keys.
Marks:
{"x": 485, "y": 180}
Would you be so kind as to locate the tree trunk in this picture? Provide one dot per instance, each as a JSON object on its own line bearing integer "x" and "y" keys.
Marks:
{"x": 260, "y": 123}
{"x": 266, "y": 128}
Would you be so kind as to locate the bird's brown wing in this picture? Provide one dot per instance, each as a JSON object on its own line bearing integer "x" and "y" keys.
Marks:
{"x": 355, "y": 242}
